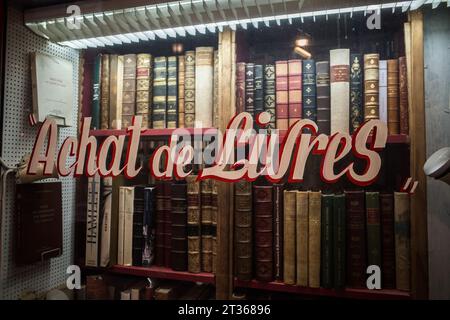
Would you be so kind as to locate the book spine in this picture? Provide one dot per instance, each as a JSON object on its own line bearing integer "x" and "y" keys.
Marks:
{"x": 179, "y": 226}
{"x": 96, "y": 92}
{"x": 181, "y": 79}
{"x": 92, "y": 221}
{"x": 206, "y": 193}
{"x": 259, "y": 90}
{"x": 326, "y": 263}
{"x": 189, "y": 89}
{"x": 323, "y": 96}
{"x": 356, "y": 92}
{"x": 340, "y": 90}
{"x": 104, "y": 100}
{"x": 269, "y": 94}
{"x": 250, "y": 88}
{"x": 403, "y": 105}
{"x": 194, "y": 221}
{"x": 339, "y": 240}
{"x": 373, "y": 229}
{"x": 159, "y": 108}
{"x": 138, "y": 226}
{"x": 129, "y": 89}
{"x": 214, "y": 211}
{"x": 393, "y": 112}
{"x": 282, "y": 95}
{"x": 278, "y": 231}
{"x": 128, "y": 207}
{"x": 240, "y": 87}
{"x": 263, "y": 205}
{"x": 172, "y": 93}
{"x": 159, "y": 224}
{"x": 295, "y": 91}
{"x": 106, "y": 209}
{"x": 119, "y": 210}
{"x": 402, "y": 240}
{"x": 167, "y": 222}
{"x": 289, "y": 237}
{"x": 309, "y": 90}
{"x": 148, "y": 252}
{"x": 382, "y": 97}
{"x": 388, "y": 240}
{"x": 314, "y": 227}
{"x": 144, "y": 86}
{"x": 302, "y": 217}
{"x": 204, "y": 79}
{"x": 371, "y": 86}
{"x": 116, "y": 92}
{"x": 216, "y": 90}
{"x": 243, "y": 230}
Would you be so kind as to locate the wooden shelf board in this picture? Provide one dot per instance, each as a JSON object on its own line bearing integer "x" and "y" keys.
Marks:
{"x": 150, "y": 132}
{"x": 384, "y": 294}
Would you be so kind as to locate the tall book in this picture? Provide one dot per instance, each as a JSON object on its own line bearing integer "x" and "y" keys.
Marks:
{"x": 327, "y": 266}
{"x": 269, "y": 94}
{"x": 126, "y": 209}
{"x": 159, "y": 105}
{"x": 355, "y": 238}
{"x": 172, "y": 92}
{"x": 382, "y": 96}
{"x": 106, "y": 221}
{"x": 116, "y": 221}
{"x": 181, "y": 80}
{"x": 289, "y": 275}
{"x": 189, "y": 89}
{"x": 323, "y": 96}
{"x": 104, "y": 99}
{"x": 206, "y": 195}
{"x": 129, "y": 89}
{"x": 240, "y": 87}
{"x": 243, "y": 230}
{"x": 294, "y": 90}
{"x": 216, "y": 90}
{"x": 263, "y": 204}
{"x": 96, "y": 92}
{"x": 250, "y": 88}
{"x": 302, "y": 221}
{"x": 282, "y": 95}
{"x": 167, "y": 221}
{"x": 138, "y": 225}
{"x": 92, "y": 221}
{"x": 314, "y": 245}
{"x": 340, "y": 90}
{"x": 115, "y": 91}
{"x": 371, "y": 86}
{"x": 159, "y": 224}
{"x": 309, "y": 90}
{"x": 339, "y": 240}
{"x": 193, "y": 224}
{"x": 144, "y": 87}
{"x": 214, "y": 211}
{"x": 373, "y": 229}
{"x": 179, "y": 226}
{"x": 278, "y": 231}
{"x": 403, "y": 93}
{"x": 356, "y": 92}
{"x": 402, "y": 212}
{"x": 204, "y": 79}
{"x": 148, "y": 252}
{"x": 259, "y": 90}
{"x": 393, "y": 113}
{"x": 388, "y": 240}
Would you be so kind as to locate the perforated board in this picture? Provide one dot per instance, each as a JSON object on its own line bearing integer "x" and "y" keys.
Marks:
{"x": 18, "y": 140}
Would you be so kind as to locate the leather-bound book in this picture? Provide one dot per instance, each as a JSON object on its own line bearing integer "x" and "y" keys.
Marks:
{"x": 159, "y": 224}
{"x": 323, "y": 96}
{"x": 302, "y": 221}
{"x": 393, "y": 113}
{"x": 250, "y": 88}
{"x": 104, "y": 99}
{"x": 106, "y": 246}
{"x": 204, "y": 81}
{"x": 295, "y": 90}
{"x": 96, "y": 92}
{"x": 179, "y": 226}
{"x": 327, "y": 240}
{"x": 148, "y": 252}
{"x": 243, "y": 230}
{"x": 356, "y": 92}
{"x": 167, "y": 217}
{"x": 129, "y": 89}
{"x": 382, "y": 96}
{"x": 269, "y": 94}
{"x": 403, "y": 92}
{"x": 289, "y": 275}
{"x": 356, "y": 239}
{"x": 339, "y": 240}
{"x": 126, "y": 208}
{"x": 278, "y": 231}
{"x": 172, "y": 93}
{"x": 159, "y": 105}
{"x": 240, "y": 87}
{"x": 181, "y": 77}
{"x": 216, "y": 90}
{"x": 206, "y": 195}
{"x": 189, "y": 89}
{"x": 340, "y": 90}
{"x": 214, "y": 210}
{"x": 93, "y": 216}
{"x": 373, "y": 229}
{"x": 388, "y": 241}
{"x": 371, "y": 86}
{"x": 115, "y": 91}
{"x": 116, "y": 223}
{"x": 282, "y": 95}
{"x": 259, "y": 90}
{"x": 309, "y": 90}
{"x": 314, "y": 245}
{"x": 193, "y": 224}
{"x": 138, "y": 225}
{"x": 144, "y": 87}
{"x": 402, "y": 211}
{"x": 263, "y": 204}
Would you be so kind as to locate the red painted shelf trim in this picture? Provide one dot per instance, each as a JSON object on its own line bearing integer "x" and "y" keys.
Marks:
{"x": 150, "y": 132}
{"x": 344, "y": 293}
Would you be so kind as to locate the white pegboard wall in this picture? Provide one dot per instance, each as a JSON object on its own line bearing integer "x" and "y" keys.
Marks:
{"x": 18, "y": 140}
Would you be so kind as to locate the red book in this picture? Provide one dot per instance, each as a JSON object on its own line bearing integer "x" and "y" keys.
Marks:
{"x": 403, "y": 92}
{"x": 240, "y": 87}
{"x": 295, "y": 90}
{"x": 388, "y": 240}
{"x": 282, "y": 99}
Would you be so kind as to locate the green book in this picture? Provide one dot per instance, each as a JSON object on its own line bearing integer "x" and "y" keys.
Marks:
{"x": 327, "y": 241}
{"x": 373, "y": 229}
{"x": 96, "y": 77}
{"x": 339, "y": 240}
{"x": 159, "y": 93}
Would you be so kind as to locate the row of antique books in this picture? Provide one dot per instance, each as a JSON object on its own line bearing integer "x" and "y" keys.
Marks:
{"x": 339, "y": 94}
{"x": 170, "y": 224}
{"x": 160, "y": 89}
{"x": 311, "y": 239}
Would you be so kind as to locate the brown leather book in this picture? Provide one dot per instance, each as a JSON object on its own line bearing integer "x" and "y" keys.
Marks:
{"x": 115, "y": 91}
{"x": 295, "y": 90}
{"x": 393, "y": 97}
{"x": 96, "y": 288}
{"x": 189, "y": 89}
{"x": 159, "y": 232}
{"x": 263, "y": 204}
{"x": 178, "y": 259}
{"x": 402, "y": 241}
{"x": 302, "y": 237}
{"x": 216, "y": 90}
{"x": 403, "y": 104}
{"x": 339, "y": 90}
{"x": 278, "y": 231}
{"x": 282, "y": 95}
{"x": 181, "y": 76}
{"x": 104, "y": 100}
{"x": 214, "y": 210}
{"x": 172, "y": 92}
{"x": 206, "y": 195}
{"x": 314, "y": 229}
{"x": 371, "y": 86}
{"x": 129, "y": 89}
{"x": 323, "y": 96}
{"x": 194, "y": 223}
{"x": 240, "y": 87}
{"x": 144, "y": 86}
{"x": 243, "y": 230}
{"x": 289, "y": 275}
{"x": 388, "y": 240}
{"x": 250, "y": 88}
{"x": 167, "y": 218}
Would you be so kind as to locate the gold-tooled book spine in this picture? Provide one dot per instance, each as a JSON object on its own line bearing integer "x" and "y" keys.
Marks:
{"x": 289, "y": 237}
{"x": 129, "y": 89}
{"x": 181, "y": 77}
{"x": 104, "y": 100}
{"x": 189, "y": 89}
{"x": 393, "y": 97}
{"x": 194, "y": 223}
{"x": 206, "y": 226}
{"x": 371, "y": 86}
{"x": 314, "y": 228}
{"x": 144, "y": 85}
{"x": 302, "y": 238}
